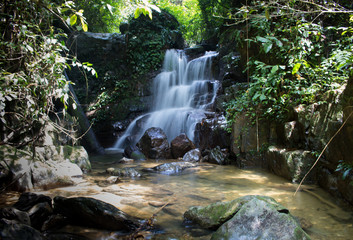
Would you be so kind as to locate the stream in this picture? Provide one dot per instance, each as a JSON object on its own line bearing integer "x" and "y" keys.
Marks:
{"x": 144, "y": 196}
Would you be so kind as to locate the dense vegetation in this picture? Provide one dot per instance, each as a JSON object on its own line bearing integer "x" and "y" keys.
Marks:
{"x": 32, "y": 58}
{"x": 291, "y": 53}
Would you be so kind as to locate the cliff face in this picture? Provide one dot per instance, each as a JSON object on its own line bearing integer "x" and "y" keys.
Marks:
{"x": 290, "y": 149}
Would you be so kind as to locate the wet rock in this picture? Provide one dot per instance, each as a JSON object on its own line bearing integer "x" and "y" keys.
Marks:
{"x": 112, "y": 180}
{"x": 215, "y": 214}
{"x": 259, "y": 219}
{"x": 181, "y": 145}
{"x": 64, "y": 236}
{"x": 171, "y": 168}
{"x": 27, "y": 200}
{"x": 211, "y": 132}
{"x": 123, "y": 172}
{"x": 134, "y": 153}
{"x": 154, "y": 144}
{"x": 217, "y": 156}
{"x": 91, "y": 212}
{"x": 55, "y": 221}
{"x": 39, "y": 214}
{"x": 16, "y": 215}
{"x": 126, "y": 160}
{"x": 248, "y": 217}
{"x": 193, "y": 156}
{"x": 9, "y": 231}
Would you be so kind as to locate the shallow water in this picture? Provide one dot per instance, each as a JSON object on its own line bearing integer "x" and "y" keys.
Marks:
{"x": 142, "y": 197}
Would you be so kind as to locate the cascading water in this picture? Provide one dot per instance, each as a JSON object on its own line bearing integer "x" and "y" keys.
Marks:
{"x": 183, "y": 92}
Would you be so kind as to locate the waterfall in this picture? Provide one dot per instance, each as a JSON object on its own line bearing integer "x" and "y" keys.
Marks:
{"x": 183, "y": 92}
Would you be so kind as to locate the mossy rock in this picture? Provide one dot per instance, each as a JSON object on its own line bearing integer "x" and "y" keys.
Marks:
{"x": 214, "y": 215}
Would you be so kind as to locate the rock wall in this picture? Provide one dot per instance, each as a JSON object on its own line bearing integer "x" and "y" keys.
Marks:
{"x": 291, "y": 148}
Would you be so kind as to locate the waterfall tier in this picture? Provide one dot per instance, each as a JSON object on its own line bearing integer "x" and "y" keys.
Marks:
{"x": 183, "y": 92}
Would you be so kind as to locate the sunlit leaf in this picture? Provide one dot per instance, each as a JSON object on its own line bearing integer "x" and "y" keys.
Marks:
{"x": 296, "y": 68}
{"x": 73, "y": 19}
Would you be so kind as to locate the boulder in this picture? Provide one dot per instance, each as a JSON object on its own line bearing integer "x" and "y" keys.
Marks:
{"x": 49, "y": 168}
{"x": 193, "y": 156}
{"x": 76, "y": 154}
{"x": 181, "y": 145}
{"x": 27, "y": 200}
{"x": 217, "y": 156}
{"x": 39, "y": 214}
{"x": 134, "y": 153}
{"x": 290, "y": 164}
{"x": 171, "y": 168}
{"x": 215, "y": 214}
{"x": 259, "y": 219}
{"x": 126, "y": 160}
{"x": 55, "y": 221}
{"x": 52, "y": 174}
{"x": 90, "y": 212}
{"x": 123, "y": 172}
{"x": 10, "y": 230}
{"x": 248, "y": 217}
{"x": 211, "y": 132}
{"x": 11, "y": 213}
{"x": 154, "y": 144}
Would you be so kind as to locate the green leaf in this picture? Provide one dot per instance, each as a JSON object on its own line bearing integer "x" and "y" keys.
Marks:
{"x": 267, "y": 14}
{"x": 274, "y": 69}
{"x": 267, "y": 47}
{"x": 296, "y": 68}
{"x": 73, "y": 19}
{"x": 262, "y": 39}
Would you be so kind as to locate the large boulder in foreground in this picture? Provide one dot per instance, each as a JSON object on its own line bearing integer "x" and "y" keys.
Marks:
{"x": 90, "y": 212}
{"x": 248, "y": 217}
{"x": 181, "y": 145}
{"x": 154, "y": 144}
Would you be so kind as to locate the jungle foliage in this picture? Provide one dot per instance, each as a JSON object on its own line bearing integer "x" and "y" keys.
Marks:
{"x": 32, "y": 58}
{"x": 291, "y": 51}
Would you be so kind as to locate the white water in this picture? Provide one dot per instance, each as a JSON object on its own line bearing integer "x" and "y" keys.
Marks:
{"x": 183, "y": 92}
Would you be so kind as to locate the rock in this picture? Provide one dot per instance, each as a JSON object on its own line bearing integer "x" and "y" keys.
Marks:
{"x": 55, "y": 221}
{"x": 27, "y": 200}
{"x": 211, "y": 132}
{"x": 290, "y": 164}
{"x": 171, "y": 168}
{"x": 94, "y": 213}
{"x": 17, "y": 164}
{"x": 294, "y": 134}
{"x": 215, "y": 214}
{"x": 181, "y": 145}
{"x": 9, "y": 231}
{"x": 76, "y": 154}
{"x": 126, "y": 160}
{"x": 217, "y": 156}
{"x": 64, "y": 236}
{"x": 193, "y": 156}
{"x": 134, "y": 153}
{"x": 123, "y": 172}
{"x": 39, "y": 214}
{"x": 259, "y": 219}
{"x": 11, "y": 213}
{"x": 154, "y": 144}
{"x": 112, "y": 180}
{"x": 52, "y": 174}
